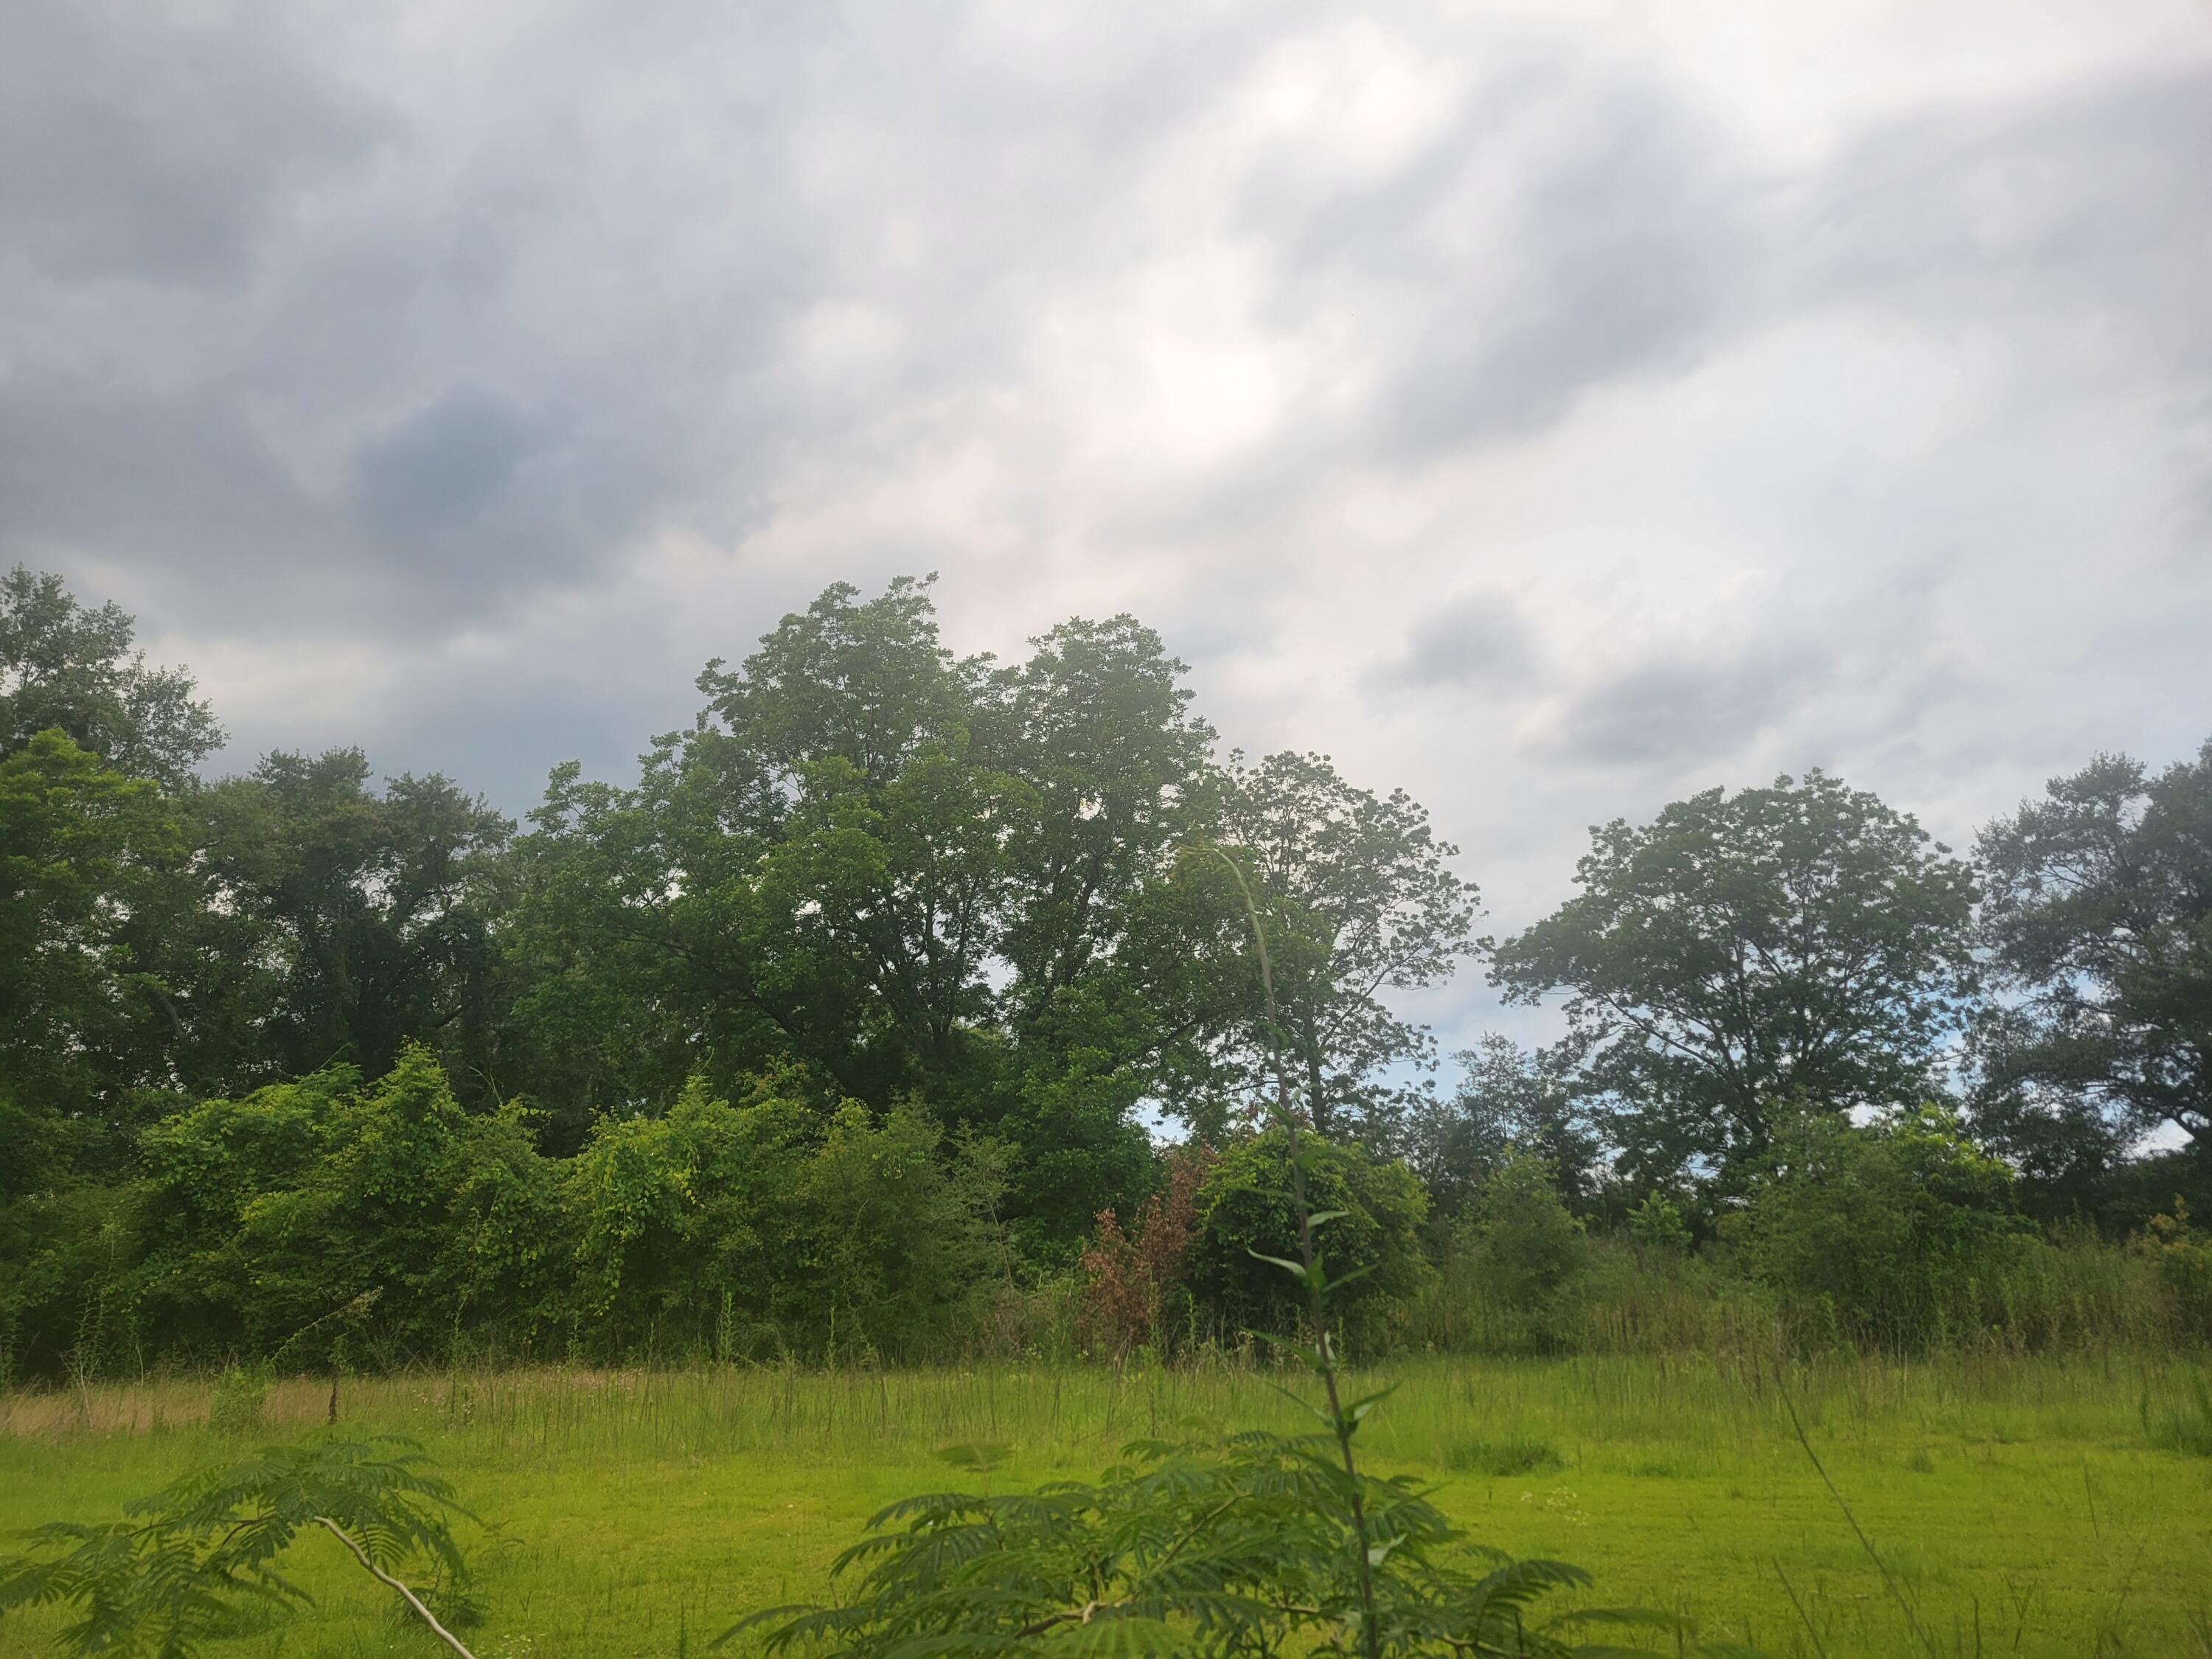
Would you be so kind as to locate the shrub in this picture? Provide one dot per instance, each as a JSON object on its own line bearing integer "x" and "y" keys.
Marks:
{"x": 1238, "y": 1544}
{"x": 1511, "y": 1277}
{"x": 272, "y": 1214}
{"x": 2183, "y": 1255}
{"x": 241, "y": 1394}
{"x": 1898, "y": 1233}
{"x": 1532, "y": 1246}
{"x": 1245, "y": 1207}
{"x": 1133, "y": 1281}
{"x": 778, "y": 1223}
{"x": 1658, "y": 1222}
{"x": 64, "y": 1306}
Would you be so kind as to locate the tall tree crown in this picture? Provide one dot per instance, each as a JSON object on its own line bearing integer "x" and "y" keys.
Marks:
{"x": 66, "y": 666}
{"x": 1799, "y": 941}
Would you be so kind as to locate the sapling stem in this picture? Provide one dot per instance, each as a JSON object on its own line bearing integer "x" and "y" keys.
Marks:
{"x": 412, "y": 1599}
{"x": 1371, "y": 1635}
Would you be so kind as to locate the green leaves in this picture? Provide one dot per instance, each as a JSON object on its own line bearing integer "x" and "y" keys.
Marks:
{"x": 1882, "y": 1232}
{"x": 927, "y": 878}
{"x": 84, "y": 849}
{"x": 1357, "y": 1412}
{"x": 1373, "y": 1211}
{"x": 1297, "y": 1270}
{"x": 1214, "y": 1544}
{"x": 1217, "y": 1544}
{"x": 198, "y": 1561}
{"x": 1117, "y": 1638}
{"x": 66, "y": 666}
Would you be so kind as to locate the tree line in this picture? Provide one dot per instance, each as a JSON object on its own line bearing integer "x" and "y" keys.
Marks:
{"x": 910, "y": 952}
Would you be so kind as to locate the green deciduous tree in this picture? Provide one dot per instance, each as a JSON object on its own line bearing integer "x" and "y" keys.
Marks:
{"x": 2099, "y": 920}
{"x": 1510, "y": 1098}
{"x": 916, "y": 873}
{"x": 939, "y": 877}
{"x": 1360, "y": 901}
{"x": 1799, "y": 941}
{"x": 774, "y": 1225}
{"x": 1531, "y": 1245}
{"x": 273, "y": 1214}
{"x": 368, "y": 912}
{"x": 179, "y": 1008}
{"x": 67, "y": 668}
{"x": 86, "y": 857}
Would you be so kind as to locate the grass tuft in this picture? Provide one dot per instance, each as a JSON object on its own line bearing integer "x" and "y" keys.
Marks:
{"x": 2187, "y": 1426}
{"x": 1515, "y": 1454}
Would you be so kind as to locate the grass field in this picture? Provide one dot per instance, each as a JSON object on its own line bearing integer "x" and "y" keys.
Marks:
{"x": 2033, "y": 1507}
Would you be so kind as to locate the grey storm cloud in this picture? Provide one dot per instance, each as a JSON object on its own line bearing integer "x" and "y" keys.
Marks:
{"x": 132, "y": 150}
{"x": 1633, "y": 243}
{"x": 1687, "y": 711}
{"x": 442, "y": 467}
{"x": 1476, "y": 640}
{"x": 2087, "y": 202}
{"x": 1470, "y": 383}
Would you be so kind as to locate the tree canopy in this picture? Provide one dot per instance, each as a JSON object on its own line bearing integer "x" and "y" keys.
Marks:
{"x": 1799, "y": 942}
{"x": 67, "y": 668}
{"x": 2098, "y": 924}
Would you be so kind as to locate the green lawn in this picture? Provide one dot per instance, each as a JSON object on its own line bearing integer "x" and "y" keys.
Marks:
{"x": 2023, "y": 1507}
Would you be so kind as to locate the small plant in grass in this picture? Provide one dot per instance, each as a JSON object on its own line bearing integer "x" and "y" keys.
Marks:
{"x": 198, "y": 1561}
{"x": 241, "y": 1392}
{"x": 1213, "y": 1544}
{"x": 1514, "y": 1454}
{"x": 1658, "y": 1222}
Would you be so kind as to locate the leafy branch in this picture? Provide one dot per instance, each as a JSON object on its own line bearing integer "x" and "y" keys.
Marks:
{"x": 198, "y": 1561}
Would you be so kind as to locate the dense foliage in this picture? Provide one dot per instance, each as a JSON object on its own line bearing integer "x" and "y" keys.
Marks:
{"x": 1878, "y": 1233}
{"x": 333, "y": 1224}
{"x": 837, "y": 1031}
{"x": 1246, "y": 1212}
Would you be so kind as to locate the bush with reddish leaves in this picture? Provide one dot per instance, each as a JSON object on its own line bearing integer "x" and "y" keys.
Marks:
{"x": 1133, "y": 1278}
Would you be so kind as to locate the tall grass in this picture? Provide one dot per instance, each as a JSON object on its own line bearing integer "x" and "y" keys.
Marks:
{"x": 2070, "y": 1292}
{"x": 1082, "y": 1412}
{"x": 2075, "y": 1293}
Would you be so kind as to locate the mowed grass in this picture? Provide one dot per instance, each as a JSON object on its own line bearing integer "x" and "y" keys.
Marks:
{"x": 2033, "y": 1507}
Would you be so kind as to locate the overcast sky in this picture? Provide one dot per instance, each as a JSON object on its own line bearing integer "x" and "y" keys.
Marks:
{"x": 1553, "y": 409}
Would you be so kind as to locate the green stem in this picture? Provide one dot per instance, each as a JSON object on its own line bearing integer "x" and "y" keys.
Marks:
{"x": 1371, "y": 1632}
